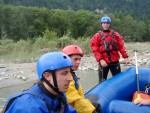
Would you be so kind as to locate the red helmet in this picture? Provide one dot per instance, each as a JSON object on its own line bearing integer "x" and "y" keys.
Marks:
{"x": 72, "y": 50}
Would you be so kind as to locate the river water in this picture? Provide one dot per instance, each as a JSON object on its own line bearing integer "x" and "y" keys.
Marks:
{"x": 88, "y": 79}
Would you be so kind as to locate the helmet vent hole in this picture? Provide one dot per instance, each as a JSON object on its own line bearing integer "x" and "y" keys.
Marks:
{"x": 64, "y": 57}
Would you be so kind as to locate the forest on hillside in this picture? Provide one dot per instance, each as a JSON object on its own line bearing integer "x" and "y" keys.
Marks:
{"x": 19, "y": 22}
{"x": 26, "y": 31}
{"x": 137, "y": 8}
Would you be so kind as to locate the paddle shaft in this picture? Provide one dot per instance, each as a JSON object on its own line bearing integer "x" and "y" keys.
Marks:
{"x": 137, "y": 74}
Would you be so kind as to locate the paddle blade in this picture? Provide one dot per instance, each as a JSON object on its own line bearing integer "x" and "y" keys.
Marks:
{"x": 139, "y": 96}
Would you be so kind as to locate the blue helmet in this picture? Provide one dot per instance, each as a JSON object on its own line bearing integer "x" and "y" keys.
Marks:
{"x": 52, "y": 61}
{"x": 105, "y": 19}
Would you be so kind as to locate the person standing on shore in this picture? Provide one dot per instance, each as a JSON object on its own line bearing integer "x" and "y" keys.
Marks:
{"x": 47, "y": 96}
{"x": 106, "y": 45}
{"x": 75, "y": 95}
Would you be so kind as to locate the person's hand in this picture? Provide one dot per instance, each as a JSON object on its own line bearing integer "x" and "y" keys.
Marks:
{"x": 94, "y": 100}
{"x": 97, "y": 107}
{"x": 143, "y": 102}
{"x": 126, "y": 61}
{"x": 103, "y": 63}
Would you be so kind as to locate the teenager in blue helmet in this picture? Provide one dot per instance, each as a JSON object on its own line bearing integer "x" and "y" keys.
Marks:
{"x": 107, "y": 45}
{"x": 47, "y": 96}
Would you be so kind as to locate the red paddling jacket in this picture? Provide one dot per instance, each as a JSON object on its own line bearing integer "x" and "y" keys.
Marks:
{"x": 106, "y": 45}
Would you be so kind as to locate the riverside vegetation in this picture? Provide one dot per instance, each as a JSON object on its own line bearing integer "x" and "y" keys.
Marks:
{"x": 22, "y": 23}
{"x": 29, "y": 51}
{"x": 28, "y": 32}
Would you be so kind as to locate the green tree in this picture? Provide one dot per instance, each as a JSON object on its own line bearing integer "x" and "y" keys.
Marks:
{"x": 146, "y": 36}
{"x": 80, "y": 23}
{"x": 58, "y": 22}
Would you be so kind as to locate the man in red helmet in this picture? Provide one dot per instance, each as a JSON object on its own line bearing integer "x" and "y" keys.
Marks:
{"x": 106, "y": 46}
{"x": 75, "y": 95}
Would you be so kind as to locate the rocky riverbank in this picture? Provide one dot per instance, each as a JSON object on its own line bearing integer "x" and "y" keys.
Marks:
{"x": 89, "y": 63}
{"x": 17, "y": 73}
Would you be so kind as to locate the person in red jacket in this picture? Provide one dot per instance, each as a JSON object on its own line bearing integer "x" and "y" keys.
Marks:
{"x": 107, "y": 46}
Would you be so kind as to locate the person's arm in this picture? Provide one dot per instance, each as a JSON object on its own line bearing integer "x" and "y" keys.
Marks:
{"x": 143, "y": 102}
{"x": 76, "y": 99}
{"x": 94, "y": 43}
{"x": 121, "y": 47}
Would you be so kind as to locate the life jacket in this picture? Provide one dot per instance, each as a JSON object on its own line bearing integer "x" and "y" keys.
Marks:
{"x": 32, "y": 92}
{"x": 75, "y": 79}
{"x": 108, "y": 43}
{"x": 64, "y": 107}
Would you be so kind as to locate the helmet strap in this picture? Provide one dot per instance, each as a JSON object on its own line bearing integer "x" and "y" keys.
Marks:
{"x": 54, "y": 79}
{"x": 55, "y": 87}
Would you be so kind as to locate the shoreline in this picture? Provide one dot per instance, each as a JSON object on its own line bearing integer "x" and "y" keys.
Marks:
{"x": 18, "y": 73}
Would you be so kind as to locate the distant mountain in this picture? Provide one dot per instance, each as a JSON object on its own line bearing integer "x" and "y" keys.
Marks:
{"x": 138, "y": 8}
